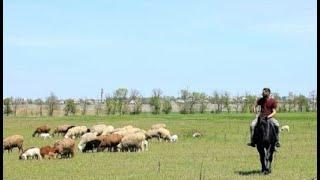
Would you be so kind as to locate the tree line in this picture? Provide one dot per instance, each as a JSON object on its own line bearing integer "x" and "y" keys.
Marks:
{"x": 121, "y": 101}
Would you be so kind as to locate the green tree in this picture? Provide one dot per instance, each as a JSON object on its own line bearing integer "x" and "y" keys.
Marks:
{"x": 70, "y": 107}
{"x": 7, "y": 106}
{"x": 120, "y": 96}
{"x": 155, "y": 101}
{"x": 167, "y": 107}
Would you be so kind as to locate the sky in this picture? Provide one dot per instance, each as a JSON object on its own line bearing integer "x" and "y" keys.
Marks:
{"x": 75, "y": 48}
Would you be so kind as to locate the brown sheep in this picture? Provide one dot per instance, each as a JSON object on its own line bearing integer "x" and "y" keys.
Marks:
{"x": 63, "y": 129}
{"x": 13, "y": 141}
{"x": 67, "y": 144}
{"x": 41, "y": 129}
{"x": 47, "y": 150}
{"x": 109, "y": 141}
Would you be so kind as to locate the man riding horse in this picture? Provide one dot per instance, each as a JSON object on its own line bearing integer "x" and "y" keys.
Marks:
{"x": 268, "y": 110}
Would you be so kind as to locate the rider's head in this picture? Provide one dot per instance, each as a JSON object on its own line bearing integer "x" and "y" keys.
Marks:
{"x": 266, "y": 92}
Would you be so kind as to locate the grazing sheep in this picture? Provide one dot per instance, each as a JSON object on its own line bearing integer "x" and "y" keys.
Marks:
{"x": 47, "y": 150}
{"x": 132, "y": 142}
{"x": 85, "y": 138}
{"x": 45, "y": 135}
{"x": 30, "y": 153}
{"x": 174, "y": 138}
{"x": 157, "y": 126}
{"x": 197, "y": 134}
{"x": 108, "y": 130}
{"x": 110, "y": 142}
{"x": 67, "y": 153}
{"x": 98, "y": 128}
{"x": 152, "y": 133}
{"x": 76, "y": 132}
{"x": 66, "y": 144}
{"x": 63, "y": 129}
{"x": 164, "y": 134}
{"x": 13, "y": 141}
{"x": 91, "y": 145}
{"x": 285, "y": 128}
{"x": 41, "y": 129}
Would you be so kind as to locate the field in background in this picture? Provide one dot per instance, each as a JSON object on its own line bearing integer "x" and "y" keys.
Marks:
{"x": 222, "y": 151}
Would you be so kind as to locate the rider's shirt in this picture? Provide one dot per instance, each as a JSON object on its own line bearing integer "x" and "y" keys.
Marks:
{"x": 267, "y": 104}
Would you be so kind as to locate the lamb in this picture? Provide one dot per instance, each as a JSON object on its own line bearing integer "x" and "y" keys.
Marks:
{"x": 47, "y": 150}
{"x": 197, "y": 134}
{"x": 13, "y": 141}
{"x": 133, "y": 142}
{"x": 30, "y": 153}
{"x": 174, "y": 138}
{"x": 157, "y": 126}
{"x": 63, "y": 129}
{"x": 110, "y": 142}
{"x": 66, "y": 144}
{"x": 45, "y": 135}
{"x": 41, "y": 129}
{"x": 285, "y": 128}
{"x": 76, "y": 132}
{"x": 86, "y": 138}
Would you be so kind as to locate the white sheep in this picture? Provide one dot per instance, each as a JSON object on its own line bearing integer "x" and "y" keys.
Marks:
{"x": 99, "y": 128}
{"x": 30, "y": 152}
{"x": 107, "y": 130}
{"x": 174, "y": 138}
{"x": 157, "y": 126}
{"x": 76, "y": 132}
{"x": 45, "y": 135}
{"x": 133, "y": 142}
{"x": 285, "y": 128}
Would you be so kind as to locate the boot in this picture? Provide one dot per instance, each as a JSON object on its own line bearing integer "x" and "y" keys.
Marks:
{"x": 277, "y": 133}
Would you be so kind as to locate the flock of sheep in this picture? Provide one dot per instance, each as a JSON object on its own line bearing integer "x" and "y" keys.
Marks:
{"x": 98, "y": 138}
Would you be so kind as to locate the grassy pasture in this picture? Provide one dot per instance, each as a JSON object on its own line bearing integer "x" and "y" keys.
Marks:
{"x": 221, "y": 152}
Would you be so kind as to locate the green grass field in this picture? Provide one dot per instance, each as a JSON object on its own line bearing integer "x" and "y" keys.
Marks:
{"x": 222, "y": 151}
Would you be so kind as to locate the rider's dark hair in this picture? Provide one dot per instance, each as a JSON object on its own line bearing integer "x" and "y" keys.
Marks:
{"x": 267, "y": 89}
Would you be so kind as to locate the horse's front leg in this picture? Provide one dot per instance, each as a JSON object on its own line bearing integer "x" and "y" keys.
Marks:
{"x": 262, "y": 159}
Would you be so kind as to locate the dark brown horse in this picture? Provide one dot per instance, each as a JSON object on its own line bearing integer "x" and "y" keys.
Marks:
{"x": 265, "y": 138}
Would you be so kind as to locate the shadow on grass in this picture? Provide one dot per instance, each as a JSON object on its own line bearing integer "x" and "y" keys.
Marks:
{"x": 248, "y": 173}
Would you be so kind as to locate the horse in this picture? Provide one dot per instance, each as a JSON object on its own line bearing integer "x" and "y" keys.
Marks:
{"x": 265, "y": 139}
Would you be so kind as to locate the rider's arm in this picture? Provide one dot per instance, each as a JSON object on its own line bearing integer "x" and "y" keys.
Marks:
{"x": 273, "y": 113}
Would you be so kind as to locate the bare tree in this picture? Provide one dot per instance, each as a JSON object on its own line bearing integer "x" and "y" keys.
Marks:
{"x": 237, "y": 101}
{"x": 135, "y": 98}
{"x": 226, "y": 101}
{"x": 40, "y": 103}
{"x": 52, "y": 103}
{"x": 84, "y": 106}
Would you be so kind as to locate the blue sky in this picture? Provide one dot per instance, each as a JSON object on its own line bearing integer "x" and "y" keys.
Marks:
{"x": 75, "y": 48}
